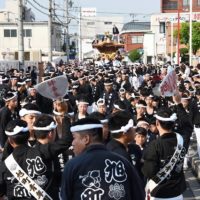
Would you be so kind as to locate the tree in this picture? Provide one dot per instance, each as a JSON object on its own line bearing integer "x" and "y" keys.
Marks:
{"x": 184, "y": 35}
{"x": 134, "y": 55}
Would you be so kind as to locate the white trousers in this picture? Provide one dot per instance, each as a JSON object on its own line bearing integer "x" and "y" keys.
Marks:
{"x": 197, "y": 132}
{"x": 180, "y": 197}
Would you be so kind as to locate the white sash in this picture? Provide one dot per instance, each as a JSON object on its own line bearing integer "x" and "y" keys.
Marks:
{"x": 166, "y": 170}
{"x": 35, "y": 190}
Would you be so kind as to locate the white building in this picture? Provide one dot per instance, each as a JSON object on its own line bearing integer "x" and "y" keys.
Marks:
{"x": 35, "y": 40}
{"x": 35, "y": 35}
{"x": 162, "y": 26}
{"x": 93, "y": 26}
{"x": 10, "y": 13}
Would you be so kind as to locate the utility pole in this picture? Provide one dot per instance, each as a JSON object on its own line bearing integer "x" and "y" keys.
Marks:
{"x": 178, "y": 39}
{"x": 67, "y": 29}
{"x": 190, "y": 39}
{"x": 80, "y": 36}
{"x": 50, "y": 32}
{"x": 20, "y": 35}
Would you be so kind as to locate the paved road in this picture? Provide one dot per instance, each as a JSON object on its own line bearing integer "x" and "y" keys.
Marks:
{"x": 193, "y": 187}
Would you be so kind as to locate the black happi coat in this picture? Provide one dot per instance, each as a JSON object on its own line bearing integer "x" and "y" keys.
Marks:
{"x": 5, "y": 116}
{"x": 108, "y": 177}
{"x": 117, "y": 147}
{"x": 159, "y": 152}
{"x": 156, "y": 156}
{"x": 38, "y": 163}
{"x": 110, "y": 98}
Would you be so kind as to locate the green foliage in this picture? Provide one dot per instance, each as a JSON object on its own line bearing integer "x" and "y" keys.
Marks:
{"x": 183, "y": 51}
{"x": 184, "y": 35}
{"x": 134, "y": 55}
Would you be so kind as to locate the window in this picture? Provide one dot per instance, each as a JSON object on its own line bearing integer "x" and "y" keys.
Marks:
{"x": 185, "y": 2}
{"x": 6, "y": 33}
{"x": 162, "y": 27}
{"x": 107, "y": 23}
{"x": 171, "y": 5}
{"x": 90, "y": 23}
{"x": 27, "y": 33}
{"x": 137, "y": 39}
{"x": 13, "y": 33}
{"x": 10, "y": 33}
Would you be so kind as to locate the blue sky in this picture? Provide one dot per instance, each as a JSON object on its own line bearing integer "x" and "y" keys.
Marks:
{"x": 110, "y": 6}
{"x": 141, "y": 8}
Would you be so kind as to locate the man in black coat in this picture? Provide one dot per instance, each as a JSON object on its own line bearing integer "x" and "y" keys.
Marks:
{"x": 163, "y": 159}
{"x": 37, "y": 162}
{"x": 7, "y": 113}
{"x": 108, "y": 177}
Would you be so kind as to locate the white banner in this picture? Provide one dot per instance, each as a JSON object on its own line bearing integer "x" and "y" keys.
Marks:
{"x": 53, "y": 88}
{"x": 88, "y": 12}
{"x": 168, "y": 87}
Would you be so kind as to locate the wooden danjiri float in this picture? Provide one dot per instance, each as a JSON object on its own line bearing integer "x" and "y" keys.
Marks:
{"x": 107, "y": 47}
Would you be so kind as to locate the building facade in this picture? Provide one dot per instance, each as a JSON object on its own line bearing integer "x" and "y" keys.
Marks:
{"x": 172, "y": 6}
{"x": 95, "y": 27}
{"x": 35, "y": 40}
{"x": 35, "y": 34}
{"x": 132, "y": 35}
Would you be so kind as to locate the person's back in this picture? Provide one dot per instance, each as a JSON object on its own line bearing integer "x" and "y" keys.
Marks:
{"x": 36, "y": 163}
{"x": 39, "y": 169}
{"x": 101, "y": 174}
{"x": 121, "y": 129}
{"x": 97, "y": 173}
{"x": 163, "y": 160}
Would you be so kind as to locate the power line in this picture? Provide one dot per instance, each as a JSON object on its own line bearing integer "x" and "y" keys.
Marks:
{"x": 41, "y": 5}
{"x": 37, "y": 8}
{"x": 77, "y": 18}
{"x": 113, "y": 13}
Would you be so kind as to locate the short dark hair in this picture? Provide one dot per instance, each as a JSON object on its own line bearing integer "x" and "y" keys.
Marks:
{"x": 166, "y": 113}
{"x": 20, "y": 138}
{"x": 31, "y": 106}
{"x": 95, "y": 133}
{"x": 117, "y": 120}
{"x": 42, "y": 121}
{"x": 141, "y": 131}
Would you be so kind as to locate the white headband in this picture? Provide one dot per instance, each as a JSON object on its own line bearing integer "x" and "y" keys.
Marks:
{"x": 140, "y": 106}
{"x": 185, "y": 98}
{"x": 15, "y": 95}
{"x": 142, "y": 122}
{"x": 17, "y": 130}
{"x": 57, "y": 113}
{"x": 103, "y": 121}
{"x": 85, "y": 127}
{"x": 172, "y": 118}
{"x": 46, "y": 128}
{"x": 82, "y": 102}
{"x": 24, "y": 112}
{"x": 117, "y": 107}
{"x": 108, "y": 84}
{"x": 125, "y": 128}
{"x": 71, "y": 114}
{"x": 101, "y": 102}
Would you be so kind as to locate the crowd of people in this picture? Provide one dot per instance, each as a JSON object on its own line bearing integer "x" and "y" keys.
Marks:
{"x": 111, "y": 137}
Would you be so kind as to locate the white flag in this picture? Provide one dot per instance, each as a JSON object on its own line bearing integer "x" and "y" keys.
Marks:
{"x": 53, "y": 88}
{"x": 168, "y": 87}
